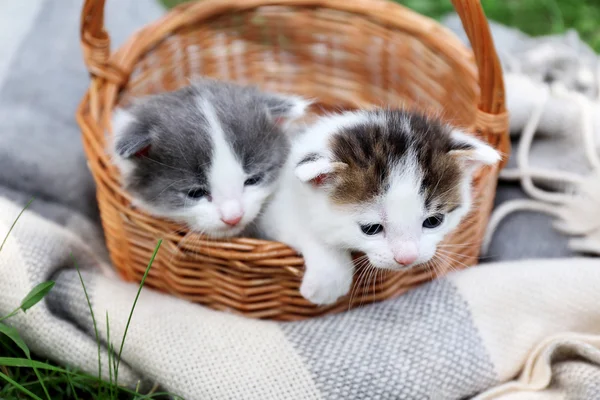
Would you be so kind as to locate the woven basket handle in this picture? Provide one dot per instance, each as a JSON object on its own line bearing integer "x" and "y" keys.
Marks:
{"x": 95, "y": 42}
{"x": 492, "y": 116}
{"x": 492, "y": 119}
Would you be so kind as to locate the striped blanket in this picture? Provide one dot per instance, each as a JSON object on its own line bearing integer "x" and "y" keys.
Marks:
{"x": 470, "y": 333}
{"x": 526, "y": 329}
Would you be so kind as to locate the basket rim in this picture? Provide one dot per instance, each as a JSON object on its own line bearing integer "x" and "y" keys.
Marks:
{"x": 389, "y": 14}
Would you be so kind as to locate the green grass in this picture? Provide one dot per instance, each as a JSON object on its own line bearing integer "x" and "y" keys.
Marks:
{"x": 535, "y": 17}
{"x": 25, "y": 376}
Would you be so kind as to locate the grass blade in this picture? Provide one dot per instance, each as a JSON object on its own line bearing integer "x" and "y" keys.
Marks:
{"x": 13, "y": 335}
{"x": 18, "y": 386}
{"x": 68, "y": 376}
{"x": 37, "y": 374}
{"x": 33, "y": 297}
{"x": 114, "y": 363}
{"x": 6, "y": 346}
{"x": 36, "y": 295}
{"x": 133, "y": 307}
{"x": 26, "y": 363}
{"x": 15, "y": 223}
{"x": 93, "y": 321}
{"x": 12, "y": 314}
{"x": 110, "y": 356}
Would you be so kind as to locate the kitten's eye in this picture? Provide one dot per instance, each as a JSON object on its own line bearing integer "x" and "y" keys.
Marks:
{"x": 253, "y": 180}
{"x": 372, "y": 229}
{"x": 197, "y": 193}
{"x": 434, "y": 221}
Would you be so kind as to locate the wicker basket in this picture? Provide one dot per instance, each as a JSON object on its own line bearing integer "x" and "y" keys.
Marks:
{"x": 347, "y": 54}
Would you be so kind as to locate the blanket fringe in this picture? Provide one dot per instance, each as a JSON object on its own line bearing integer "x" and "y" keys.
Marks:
{"x": 580, "y": 217}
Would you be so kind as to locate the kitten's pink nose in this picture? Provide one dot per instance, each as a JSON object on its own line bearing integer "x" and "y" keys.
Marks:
{"x": 405, "y": 259}
{"x": 406, "y": 254}
{"x": 231, "y": 212}
{"x": 232, "y": 221}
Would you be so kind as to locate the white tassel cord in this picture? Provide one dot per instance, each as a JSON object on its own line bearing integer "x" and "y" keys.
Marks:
{"x": 577, "y": 213}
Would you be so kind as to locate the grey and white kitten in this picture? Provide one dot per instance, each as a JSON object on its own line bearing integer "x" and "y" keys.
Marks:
{"x": 208, "y": 155}
{"x": 388, "y": 183}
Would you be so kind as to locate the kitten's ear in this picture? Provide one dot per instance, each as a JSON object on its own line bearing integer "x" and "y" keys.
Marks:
{"x": 131, "y": 138}
{"x": 318, "y": 170}
{"x": 472, "y": 152}
{"x": 284, "y": 109}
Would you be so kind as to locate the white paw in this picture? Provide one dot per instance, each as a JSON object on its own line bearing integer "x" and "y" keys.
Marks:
{"x": 322, "y": 289}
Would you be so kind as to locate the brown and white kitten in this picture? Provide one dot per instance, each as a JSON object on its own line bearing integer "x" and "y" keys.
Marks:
{"x": 389, "y": 183}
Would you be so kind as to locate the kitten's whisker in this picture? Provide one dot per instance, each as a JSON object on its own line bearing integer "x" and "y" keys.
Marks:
{"x": 165, "y": 165}
{"x": 365, "y": 283}
{"x": 357, "y": 283}
{"x": 201, "y": 166}
{"x": 369, "y": 280}
{"x": 438, "y": 267}
{"x": 450, "y": 253}
{"x": 362, "y": 257}
{"x": 188, "y": 239}
{"x": 437, "y": 184}
{"x": 182, "y": 155}
{"x": 368, "y": 286}
{"x": 362, "y": 282}
{"x": 430, "y": 267}
{"x": 359, "y": 265}
{"x": 375, "y": 281}
{"x": 448, "y": 266}
{"x": 450, "y": 260}
{"x": 375, "y": 275}
{"x": 444, "y": 266}
{"x": 434, "y": 268}
{"x": 359, "y": 260}
{"x": 458, "y": 244}
{"x": 168, "y": 186}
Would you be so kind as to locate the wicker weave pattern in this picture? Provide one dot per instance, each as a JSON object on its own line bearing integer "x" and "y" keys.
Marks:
{"x": 348, "y": 54}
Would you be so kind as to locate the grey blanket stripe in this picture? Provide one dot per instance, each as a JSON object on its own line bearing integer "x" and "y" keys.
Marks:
{"x": 40, "y": 147}
{"x": 16, "y": 20}
{"x": 40, "y": 143}
{"x": 67, "y": 299}
{"x": 422, "y": 345}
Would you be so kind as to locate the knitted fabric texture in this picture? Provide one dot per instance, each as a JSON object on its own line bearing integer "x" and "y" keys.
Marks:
{"x": 453, "y": 338}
